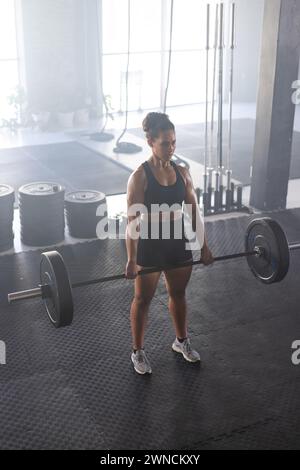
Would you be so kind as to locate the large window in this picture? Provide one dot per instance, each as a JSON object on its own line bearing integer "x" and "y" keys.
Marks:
{"x": 150, "y": 26}
{"x": 145, "y": 61}
{"x": 9, "y": 62}
{"x": 188, "y": 71}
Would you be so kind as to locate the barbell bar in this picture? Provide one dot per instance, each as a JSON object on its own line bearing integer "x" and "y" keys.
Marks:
{"x": 266, "y": 249}
{"x": 41, "y": 291}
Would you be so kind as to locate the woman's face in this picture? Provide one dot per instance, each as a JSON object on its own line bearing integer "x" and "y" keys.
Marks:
{"x": 164, "y": 145}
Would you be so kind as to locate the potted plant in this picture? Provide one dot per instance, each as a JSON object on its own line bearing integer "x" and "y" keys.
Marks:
{"x": 20, "y": 116}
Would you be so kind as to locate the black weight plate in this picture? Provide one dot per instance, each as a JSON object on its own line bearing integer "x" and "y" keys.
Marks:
{"x": 7, "y": 210}
{"x": 59, "y": 303}
{"x": 7, "y": 193}
{"x": 43, "y": 221}
{"x": 42, "y": 213}
{"x": 85, "y": 197}
{"x": 42, "y": 241}
{"x": 273, "y": 263}
{"x": 85, "y": 224}
{"x": 46, "y": 208}
{"x": 82, "y": 231}
{"x": 40, "y": 188}
{"x": 41, "y": 197}
{"x": 6, "y": 246}
{"x": 53, "y": 198}
{"x": 81, "y": 212}
{"x": 86, "y": 208}
{"x": 6, "y": 234}
{"x": 6, "y": 219}
{"x": 87, "y": 218}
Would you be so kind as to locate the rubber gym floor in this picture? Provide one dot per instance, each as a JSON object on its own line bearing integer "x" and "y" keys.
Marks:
{"x": 75, "y": 387}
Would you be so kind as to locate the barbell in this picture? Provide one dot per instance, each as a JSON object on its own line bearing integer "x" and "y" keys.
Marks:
{"x": 266, "y": 249}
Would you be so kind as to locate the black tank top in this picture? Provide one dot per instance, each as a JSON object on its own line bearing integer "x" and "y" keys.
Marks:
{"x": 159, "y": 194}
{"x": 156, "y": 193}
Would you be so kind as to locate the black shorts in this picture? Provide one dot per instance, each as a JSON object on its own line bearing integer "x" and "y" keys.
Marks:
{"x": 162, "y": 252}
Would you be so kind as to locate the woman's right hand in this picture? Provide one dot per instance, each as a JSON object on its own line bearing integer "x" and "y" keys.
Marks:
{"x": 131, "y": 270}
{"x": 206, "y": 255}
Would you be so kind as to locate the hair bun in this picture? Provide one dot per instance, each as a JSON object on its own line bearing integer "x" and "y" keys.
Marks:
{"x": 154, "y": 120}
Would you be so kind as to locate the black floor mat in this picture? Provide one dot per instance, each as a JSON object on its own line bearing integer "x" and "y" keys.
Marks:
{"x": 69, "y": 164}
{"x": 190, "y": 144}
{"x": 75, "y": 387}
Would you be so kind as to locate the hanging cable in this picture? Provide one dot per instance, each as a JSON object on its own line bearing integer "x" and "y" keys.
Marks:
{"x": 179, "y": 161}
{"x": 98, "y": 48}
{"x": 127, "y": 147}
{"x": 127, "y": 69}
{"x": 170, "y": 55}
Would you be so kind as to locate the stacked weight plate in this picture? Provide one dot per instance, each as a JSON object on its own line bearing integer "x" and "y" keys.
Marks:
{"x": 42, "y": 213}
{"x": 84, "y": 210}
{"x": 7, "y": 199}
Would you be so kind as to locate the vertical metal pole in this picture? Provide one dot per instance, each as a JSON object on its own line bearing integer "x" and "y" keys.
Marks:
{"x": 219, "y": 177}
{"x": 228, "y": 161}
{"x": 205, "y": 194}
{"x": 211, "y": 169}
{"x": 213, "y": 87}
{"x": 232, "y": 194}
{"x": 239, "y": 197}
{"x": 206, "y": 87}
{"x": 232, "y": 16}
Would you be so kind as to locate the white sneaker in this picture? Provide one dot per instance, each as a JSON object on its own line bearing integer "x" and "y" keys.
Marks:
{"x": 140, "y": 362}
{"x": 185, "y": 349}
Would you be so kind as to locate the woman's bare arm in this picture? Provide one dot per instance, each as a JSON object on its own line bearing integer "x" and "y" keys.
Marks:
{"x": 195, "y": 215}
{"x": 135, "y": 195}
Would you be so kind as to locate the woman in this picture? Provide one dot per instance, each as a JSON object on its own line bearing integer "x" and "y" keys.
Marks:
{"x": 160, "y": 181}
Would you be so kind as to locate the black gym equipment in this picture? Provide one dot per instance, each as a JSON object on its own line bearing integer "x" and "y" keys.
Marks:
{"x": 268, "y": 236}
{"x": 42, "y": 213}
{"x": 57, "y": 298}
{"x": 266, "y": 249}
{"x": 83, "y": 212}
{"x": 221, "y": 199}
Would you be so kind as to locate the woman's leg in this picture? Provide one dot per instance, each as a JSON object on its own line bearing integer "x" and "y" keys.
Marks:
{"x": 176, "y": 282}
{"x": 144, "y": 290}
